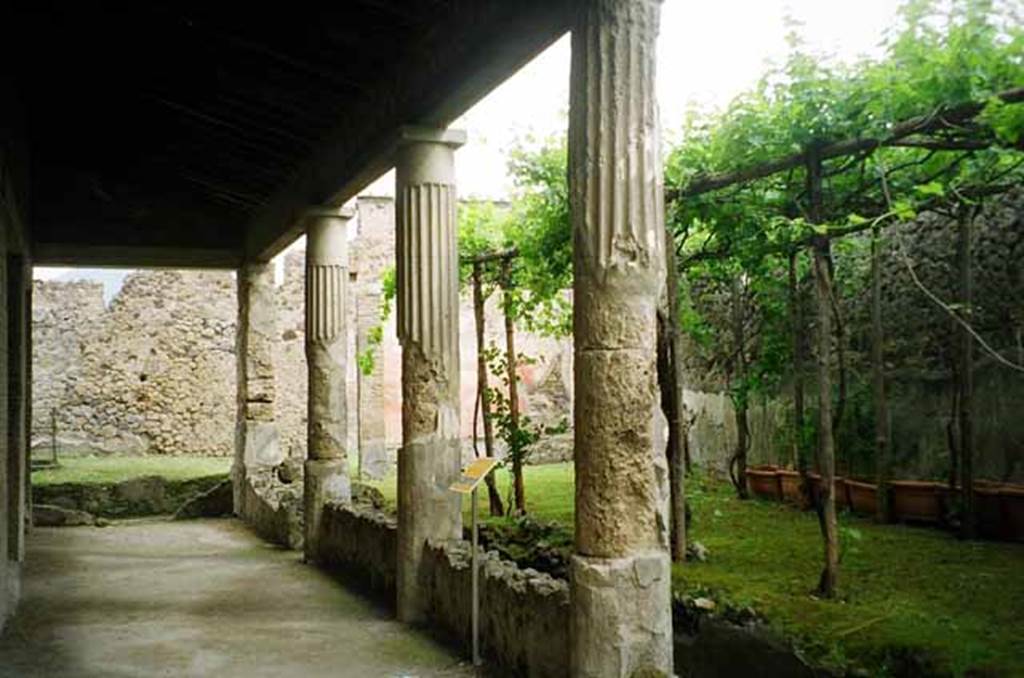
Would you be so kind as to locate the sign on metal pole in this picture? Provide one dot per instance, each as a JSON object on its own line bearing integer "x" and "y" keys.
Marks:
{"x": 472, "y": 475}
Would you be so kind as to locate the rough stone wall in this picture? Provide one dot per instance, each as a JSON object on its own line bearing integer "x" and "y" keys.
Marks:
{"x": 918, "y": 332}
{"x": 290, "y": 367}
{"x": 919, "y": 345}
{"x": 153, "y": 373}
{"x": 64, "y": 317}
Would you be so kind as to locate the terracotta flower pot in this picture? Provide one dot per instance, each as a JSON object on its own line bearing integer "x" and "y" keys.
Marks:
{"x": 839, "y": 490}
{"x": 918, "y": 501}
{"x": 764, "y": 483}
{"x": 789, "y": 486}
{"x": 863, "y": 497}
{"x": 988, "y": 506}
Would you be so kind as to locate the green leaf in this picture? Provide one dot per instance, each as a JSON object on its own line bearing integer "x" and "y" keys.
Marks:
{"x": 932, "y": 188}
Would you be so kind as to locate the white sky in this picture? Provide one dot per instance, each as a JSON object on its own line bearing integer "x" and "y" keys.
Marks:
{"x": 708, "y": 52}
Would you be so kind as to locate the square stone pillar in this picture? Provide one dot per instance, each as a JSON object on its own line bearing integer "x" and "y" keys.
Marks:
{"x": 257, "y": 443}
{"x": 428, "y": 330}
{"x": 621, "y": 623}
{"x": 19, "y": 275}
{"x": 27, "y": 410}
{"x": 326, "y": 476}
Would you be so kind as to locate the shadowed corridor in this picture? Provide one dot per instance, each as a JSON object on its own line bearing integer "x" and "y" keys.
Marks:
{"x": 197, "y": 598}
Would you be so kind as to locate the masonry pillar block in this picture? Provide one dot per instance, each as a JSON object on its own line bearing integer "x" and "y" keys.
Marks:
{"x": 257, "y": 443}
{"x": 326, "y": 475}
{"x": 621, "y": 613}
{"x": 428, "y": 330}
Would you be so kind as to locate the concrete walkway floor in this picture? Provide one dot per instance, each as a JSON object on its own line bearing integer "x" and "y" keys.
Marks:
{"x": 197, "y": 598}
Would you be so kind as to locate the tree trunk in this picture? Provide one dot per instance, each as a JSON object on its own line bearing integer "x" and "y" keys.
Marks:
{"x": 968, "y": 526}
{"x": 519, "y": 491}
{"x": 738, "y": 463}
{"x": 825, "y": 499}
{"x": 953, "y": 425}
{"x": 483, "y": 395}
{"x": 797, "y": 327}
{"x": 670, "y": 382}
{"x": 878, "y": 379}
{"x": 826, "y": 446}
{"x": 840, "y": 333}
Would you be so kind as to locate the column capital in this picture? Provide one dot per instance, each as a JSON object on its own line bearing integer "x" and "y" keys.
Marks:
{"x": 327, "y": 235}
{"x": 416, "y": 134}
{"x": 344, "y": 213}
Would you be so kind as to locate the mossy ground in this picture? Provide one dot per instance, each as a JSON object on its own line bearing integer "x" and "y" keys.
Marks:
{"x": 907, "y": 595}
{"x": 113, "y": 468}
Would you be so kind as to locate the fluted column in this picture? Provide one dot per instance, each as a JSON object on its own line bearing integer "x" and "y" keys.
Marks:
{"x": 257, "y": 441}
{"x": 428, "y": 330}
{"x": 621, "y": 617}
{"x": 326, "y": 474}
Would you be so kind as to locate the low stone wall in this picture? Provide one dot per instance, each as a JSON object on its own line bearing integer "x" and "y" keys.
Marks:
{"x": 153, "y": 373}
{"x": 524, "y": 614}
{"x": 146, "y": 496}
{"x": 272, "y": 509}
{"x": 362, "y": 542}
{"x": 524, "y": 622}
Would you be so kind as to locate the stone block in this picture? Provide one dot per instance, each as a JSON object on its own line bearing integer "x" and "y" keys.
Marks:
{"x": 262, "y": 445}
{"x": 621, "y": 615}
{"x": 325, "y": 482}
{"x": 44, "y": 515}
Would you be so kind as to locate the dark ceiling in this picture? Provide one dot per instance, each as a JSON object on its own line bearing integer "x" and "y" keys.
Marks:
{"x": 173, "y": 125}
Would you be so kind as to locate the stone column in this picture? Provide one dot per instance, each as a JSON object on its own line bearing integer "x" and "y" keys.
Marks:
{"x": 428, "y": 330}
{"x": 326, "y": 475}
{"x": 373, "y": 461}
{"x": 620, "y": 621}
{"x": 257, "y": 443}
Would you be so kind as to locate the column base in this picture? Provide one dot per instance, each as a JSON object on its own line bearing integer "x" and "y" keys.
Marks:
{"x": 427, "y": 509}
{"x": 325, "y": 481}
{"x": 621, "y": 615}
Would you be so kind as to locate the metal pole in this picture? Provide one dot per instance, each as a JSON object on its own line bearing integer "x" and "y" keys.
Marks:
{"x": 476, "y": 589}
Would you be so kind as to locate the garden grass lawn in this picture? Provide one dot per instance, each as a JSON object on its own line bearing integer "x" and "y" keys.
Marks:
{"x": 113, "y": 469}
{"x": 902, "y": 590}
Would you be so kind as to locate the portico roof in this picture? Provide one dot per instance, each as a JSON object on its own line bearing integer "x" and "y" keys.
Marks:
{"x": 196, "y": 134}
